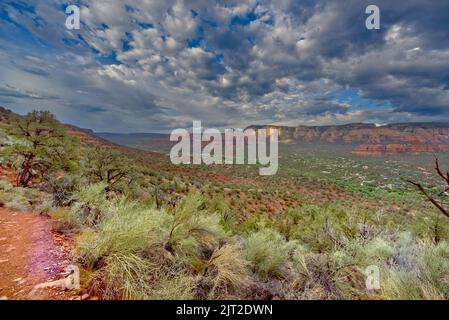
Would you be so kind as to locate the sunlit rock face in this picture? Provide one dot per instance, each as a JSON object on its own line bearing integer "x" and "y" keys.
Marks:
{"x": 371, "y": 139}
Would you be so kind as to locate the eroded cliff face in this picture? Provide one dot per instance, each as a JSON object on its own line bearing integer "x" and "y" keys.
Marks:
{"x": 369, "y": 139}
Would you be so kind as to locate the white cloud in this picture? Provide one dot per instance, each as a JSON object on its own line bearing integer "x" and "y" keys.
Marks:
{"x": 281, "y": 63}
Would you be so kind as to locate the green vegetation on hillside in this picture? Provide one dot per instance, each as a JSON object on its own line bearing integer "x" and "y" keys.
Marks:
{"x": 144, "y": 229}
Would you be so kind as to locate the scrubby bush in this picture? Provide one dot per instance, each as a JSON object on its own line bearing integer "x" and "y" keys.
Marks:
{"x": 125, "y": 252}
{"x": 268, "y": 252}
{"x": 325, "y": 276}
{"x": 89, "y": 205}
{"x": 45, "y": 205}
{"x": 194, "y": 233}
{"x": 286, "y": 223}
{"x": 219, "y": 205}
{"x": 174, "y": 284}
{"x": 123, "y": 276}
{"x": 20, "y": 199}
{"x": 129, "y": 229}
{"x": 62, "y": 188}
{"x": 434, "y": 261}
{"x": 61, "y": 219}
{"x": 110, "y": 167}
{"x": 365, "y": 253}
{"x": 126, "y": 237}
{"x": 325, "y": 227}
{"x": 226, "y": 274}
{"x": 427, "y": 278}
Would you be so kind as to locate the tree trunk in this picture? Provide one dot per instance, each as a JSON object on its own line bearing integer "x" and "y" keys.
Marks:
{"x": 24, "y": 175}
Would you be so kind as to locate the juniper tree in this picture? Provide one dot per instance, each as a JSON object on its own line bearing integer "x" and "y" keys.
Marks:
{"x": 40, "y": 145}
{"x": 109, "y": 166}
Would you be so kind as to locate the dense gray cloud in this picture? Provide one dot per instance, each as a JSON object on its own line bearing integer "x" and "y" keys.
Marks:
{"x": 155, "y": 65}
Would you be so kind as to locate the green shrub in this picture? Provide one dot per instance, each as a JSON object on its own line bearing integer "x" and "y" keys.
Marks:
{"x": 61, "y": 219}
{"x": 365, "y": 253}
{"x": 400, "y": 284}
{"x": 130, "y": 229}
{"x": 62, "y": 188}
{"x": 123, "y": 276}
{"x": 332, "y": 275}
{"x": 287, "y": 223}
{"x": 89, "y": 205}
{"x": 128, "y": 237}
{"x": 194, "y": 233}
{"x": 229, "y": 218}
{"x": 45, "y": 205}
{"x": 20, "y": 199}
{"x": 268, "y": 252}
{"x": 324, "y": 227}
{"x": 409, "y": 269}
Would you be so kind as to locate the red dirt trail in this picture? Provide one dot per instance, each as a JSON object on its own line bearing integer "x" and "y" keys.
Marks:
{"x": 30, "y": 254}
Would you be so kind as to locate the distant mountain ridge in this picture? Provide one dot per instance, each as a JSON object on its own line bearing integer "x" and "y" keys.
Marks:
{"x": 371, "y": 139}
{"x": 366, "y": 139}
{"x": 158, "y": 142}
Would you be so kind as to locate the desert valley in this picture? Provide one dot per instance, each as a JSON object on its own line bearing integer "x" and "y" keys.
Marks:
{"x": 121, "y": 213}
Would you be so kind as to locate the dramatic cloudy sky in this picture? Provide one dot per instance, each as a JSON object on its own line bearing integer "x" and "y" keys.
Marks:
{"x": 153, "y": 65}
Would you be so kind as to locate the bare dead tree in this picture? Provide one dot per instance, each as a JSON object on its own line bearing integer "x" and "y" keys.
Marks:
{"x": 438, "y": 204}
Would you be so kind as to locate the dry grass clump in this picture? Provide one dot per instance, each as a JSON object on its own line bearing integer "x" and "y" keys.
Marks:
{"x": 23, "y": 199}
{"x": 426, "y": 278}
{"x": 324, "y": 276}
{"x": 268, "y": 251}
{"x": 134, "y": 252}
{"x": 225, "y": 275}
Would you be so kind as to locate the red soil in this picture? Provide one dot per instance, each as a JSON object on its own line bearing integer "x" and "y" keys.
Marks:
{"x": 30, "y": 254}
{"x": 7, "y": 174}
